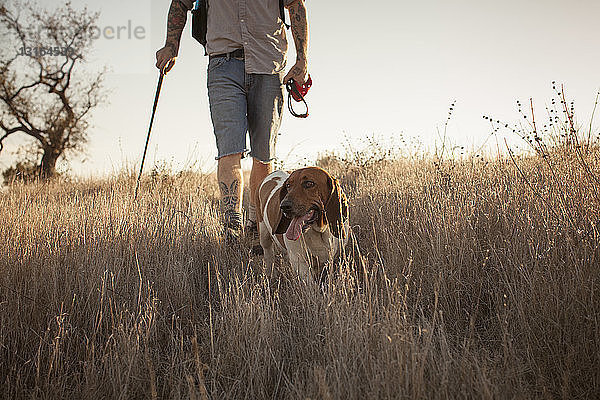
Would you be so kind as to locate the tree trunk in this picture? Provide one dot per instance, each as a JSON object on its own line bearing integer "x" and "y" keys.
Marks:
{"x": 48, "y": 163}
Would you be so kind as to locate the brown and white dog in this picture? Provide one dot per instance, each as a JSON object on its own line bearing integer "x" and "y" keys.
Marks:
{"x": 304, "y": 214}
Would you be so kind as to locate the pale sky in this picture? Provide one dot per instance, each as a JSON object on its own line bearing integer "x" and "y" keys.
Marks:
{"x": 382, "y": 67}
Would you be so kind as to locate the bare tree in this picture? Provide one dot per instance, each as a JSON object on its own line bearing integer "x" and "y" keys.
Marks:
{"x": 43, "y": 93}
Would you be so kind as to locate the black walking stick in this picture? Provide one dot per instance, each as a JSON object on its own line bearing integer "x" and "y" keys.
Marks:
{"x": 163, "y": 72}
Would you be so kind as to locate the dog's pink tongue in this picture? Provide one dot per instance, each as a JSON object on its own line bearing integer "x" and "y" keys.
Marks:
{"x": 295, "y": 229}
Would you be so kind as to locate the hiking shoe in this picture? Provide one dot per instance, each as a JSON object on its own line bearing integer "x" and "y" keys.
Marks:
{"x": 252, "y": 236}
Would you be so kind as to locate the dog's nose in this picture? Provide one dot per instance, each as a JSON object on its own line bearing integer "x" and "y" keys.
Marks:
{"x": 286, "y": 206}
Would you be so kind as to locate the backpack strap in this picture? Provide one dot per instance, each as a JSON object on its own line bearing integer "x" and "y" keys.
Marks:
{"x": 199, "y": 22}
{"x": 282, "y": 14}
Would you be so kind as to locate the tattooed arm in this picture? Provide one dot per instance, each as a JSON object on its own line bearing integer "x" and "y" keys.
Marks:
{"x": 299, "y": 24}
{"x": 175, "y": 24}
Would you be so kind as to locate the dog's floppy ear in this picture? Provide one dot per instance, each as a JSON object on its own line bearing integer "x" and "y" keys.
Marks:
{"x": 336, "y": 207}
{"x": 284, "y": 222}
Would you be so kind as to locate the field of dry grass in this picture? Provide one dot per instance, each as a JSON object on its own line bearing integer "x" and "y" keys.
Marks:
{"x": 483, "y": 281}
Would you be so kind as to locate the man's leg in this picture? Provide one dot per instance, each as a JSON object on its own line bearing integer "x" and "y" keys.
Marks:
{"x": 259, "y": 172}
{"x": 231, "y": 184}
{"x": 265, "y": 104}
{"x": 227, "y": 100}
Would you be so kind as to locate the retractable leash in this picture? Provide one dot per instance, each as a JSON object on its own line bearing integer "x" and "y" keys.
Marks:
{"x": 297, "y": 92}
{"x": 163, "y": 73}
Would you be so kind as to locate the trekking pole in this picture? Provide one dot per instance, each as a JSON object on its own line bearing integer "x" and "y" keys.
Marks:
{"x": 163, "y": 72}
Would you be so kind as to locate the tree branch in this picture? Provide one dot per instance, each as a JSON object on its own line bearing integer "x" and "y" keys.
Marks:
{"x": 10, "y": 131}
{"x": 14, "y": 95}
{"x": 21, "y": 116}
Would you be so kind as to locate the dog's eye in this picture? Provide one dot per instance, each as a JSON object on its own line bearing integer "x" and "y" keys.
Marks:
{"x": 308, "y": 184}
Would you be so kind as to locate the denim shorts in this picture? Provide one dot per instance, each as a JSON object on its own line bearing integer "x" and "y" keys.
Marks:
{"x": 240, "y": 103}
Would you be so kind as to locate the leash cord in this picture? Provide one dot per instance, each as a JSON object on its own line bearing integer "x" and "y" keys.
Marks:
{"x": 291, "y": 87}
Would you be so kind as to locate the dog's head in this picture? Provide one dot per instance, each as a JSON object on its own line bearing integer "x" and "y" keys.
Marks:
{"x": 310, "y": 197}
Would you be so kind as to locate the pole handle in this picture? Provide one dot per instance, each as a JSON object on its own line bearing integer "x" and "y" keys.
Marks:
{"x": 168, "y": 66}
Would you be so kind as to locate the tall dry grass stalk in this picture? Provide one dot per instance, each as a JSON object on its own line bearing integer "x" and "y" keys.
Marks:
{"x": 482, "y": 282}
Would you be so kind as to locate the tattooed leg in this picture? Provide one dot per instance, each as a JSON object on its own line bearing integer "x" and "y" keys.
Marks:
{"x": 229, "y": 195}
{"x": 231, "y": 184}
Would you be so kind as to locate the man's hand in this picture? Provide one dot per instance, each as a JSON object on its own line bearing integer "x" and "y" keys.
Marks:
{"x": 299, "y": 73}
{"x": 164, "y": 56}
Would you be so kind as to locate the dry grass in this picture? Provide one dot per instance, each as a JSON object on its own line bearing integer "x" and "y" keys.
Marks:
{"x": 483, "y": 282}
